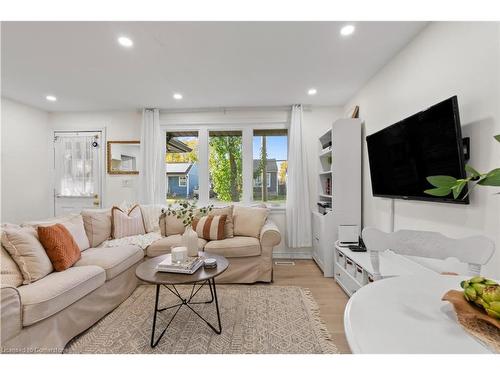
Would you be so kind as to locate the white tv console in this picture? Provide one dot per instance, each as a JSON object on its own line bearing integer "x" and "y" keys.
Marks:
{"x": 354, "y": 269}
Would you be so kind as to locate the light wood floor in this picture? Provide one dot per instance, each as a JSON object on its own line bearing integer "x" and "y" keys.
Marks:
{"x": 330, "y": 298}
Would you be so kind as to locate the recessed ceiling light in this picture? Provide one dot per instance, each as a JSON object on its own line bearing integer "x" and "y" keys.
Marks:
{"x": 312, "y": 92}
{"x": 51, "y": 98}
{"x": 177, "y": 96}
{"x": 125, "y": 42}
{"x": 347, "y": 30}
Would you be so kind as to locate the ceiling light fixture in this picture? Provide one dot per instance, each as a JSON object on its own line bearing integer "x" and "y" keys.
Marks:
{"x": 51, "y": 98}
{"x": 177, "y": 96}
{"x": 312, "y": 92}
{"x": 347, "y": 30}
{"x": 125, "y": 42}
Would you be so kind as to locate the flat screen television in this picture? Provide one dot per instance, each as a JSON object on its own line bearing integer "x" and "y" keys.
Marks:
{"x": 429, "y": 143}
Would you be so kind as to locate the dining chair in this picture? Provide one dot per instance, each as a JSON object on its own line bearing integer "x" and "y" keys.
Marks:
{"x": 473, "y": 250}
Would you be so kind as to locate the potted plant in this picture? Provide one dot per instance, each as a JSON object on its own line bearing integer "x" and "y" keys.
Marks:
{"x": 444, "y": 185}
{"x": 187, "y": 212}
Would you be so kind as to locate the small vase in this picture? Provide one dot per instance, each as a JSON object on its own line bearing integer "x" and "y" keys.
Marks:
{"x": 190, "y": 240}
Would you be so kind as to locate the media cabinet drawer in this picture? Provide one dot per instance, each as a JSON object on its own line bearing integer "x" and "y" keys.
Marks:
{"x": 346, "y": 281}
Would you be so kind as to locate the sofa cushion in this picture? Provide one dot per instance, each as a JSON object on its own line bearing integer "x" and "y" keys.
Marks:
{"x": 11, "y": 274}
{"x": 28, "y": 253}
{"x": 127, "y": 223}
{"x": 170, "y": 225}
{"x": 210, "y": 227}
{"x": 114, "y": 260}
{"x": 73, "y": 223}
{"x": 228, "y": 211}
{"x": 59, "y": 245}
{"x": 248, "y": 221}
{"x": 97, "y": 224}
{"x": 164, "y": 245}
{"x": 235, "y": 247}
{"x": 58, "y": 290}
{"x": 151, "y": 215}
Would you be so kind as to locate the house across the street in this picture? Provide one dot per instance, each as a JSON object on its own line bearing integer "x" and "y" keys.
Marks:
{"x": 272, "y": 177}
{"x": 182, "y": 179}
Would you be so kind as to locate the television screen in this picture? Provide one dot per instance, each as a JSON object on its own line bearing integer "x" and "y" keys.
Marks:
{"x": 428, "y": 143}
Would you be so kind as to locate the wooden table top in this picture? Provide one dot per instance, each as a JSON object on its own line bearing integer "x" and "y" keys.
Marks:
{"x": 147, "y": 271}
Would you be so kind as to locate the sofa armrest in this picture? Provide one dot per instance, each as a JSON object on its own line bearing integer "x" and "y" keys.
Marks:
{"x": 11, "y": 319}
{"x": 270, "y": 235}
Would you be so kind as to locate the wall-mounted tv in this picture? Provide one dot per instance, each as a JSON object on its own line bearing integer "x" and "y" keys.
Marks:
{"x": 429, "y": 143}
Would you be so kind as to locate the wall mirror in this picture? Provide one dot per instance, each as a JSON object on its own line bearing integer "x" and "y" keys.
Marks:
{"x": 123, "y": 157}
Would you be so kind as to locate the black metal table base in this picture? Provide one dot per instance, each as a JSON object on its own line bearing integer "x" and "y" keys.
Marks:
{"x": 185, "y": 302}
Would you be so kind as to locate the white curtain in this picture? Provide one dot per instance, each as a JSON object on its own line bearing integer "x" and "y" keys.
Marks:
{"x": 77, "y": 165}
{"x": 152, "y": 177}
{"x": 298, "y": 214}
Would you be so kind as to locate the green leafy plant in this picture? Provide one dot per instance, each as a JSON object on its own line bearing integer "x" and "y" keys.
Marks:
{"x": 444, "y": 185}
{"x": 187, "y": 211}
{"x": 225, "y": 162}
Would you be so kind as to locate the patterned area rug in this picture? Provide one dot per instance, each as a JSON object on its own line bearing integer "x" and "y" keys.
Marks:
{"x": 255, "y": 319}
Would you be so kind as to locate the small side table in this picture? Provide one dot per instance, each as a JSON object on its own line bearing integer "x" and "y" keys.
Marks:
{"x": 147, "y": 272}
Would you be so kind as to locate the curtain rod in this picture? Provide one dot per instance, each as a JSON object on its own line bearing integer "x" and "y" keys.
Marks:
{"x": 307, "y": 108}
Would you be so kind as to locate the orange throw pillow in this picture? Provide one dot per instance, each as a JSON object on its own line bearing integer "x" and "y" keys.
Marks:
{"x": 59, "y": 245}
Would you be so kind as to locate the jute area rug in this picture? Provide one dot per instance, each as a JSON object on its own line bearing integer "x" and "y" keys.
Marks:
{"x": 255, "y": 319}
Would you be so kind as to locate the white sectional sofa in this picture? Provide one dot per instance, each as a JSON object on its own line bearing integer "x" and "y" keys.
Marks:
{"x": 45, "y": 315}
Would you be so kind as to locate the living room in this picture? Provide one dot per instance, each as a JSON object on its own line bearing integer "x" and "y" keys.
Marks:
{"x": 266, "y": 187}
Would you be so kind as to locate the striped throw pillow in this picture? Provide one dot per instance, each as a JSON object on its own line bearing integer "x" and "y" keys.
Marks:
{"x": 210, "y": 228}
{"x": 127, "y": 224}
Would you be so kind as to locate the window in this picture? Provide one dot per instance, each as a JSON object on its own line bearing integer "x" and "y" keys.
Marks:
{"x": 225, "y": 166}
{"x": 181, "y": 160}
{"x": 257, "y": 181}
{"x": 183, "y": 181}
{"x": 270, "y": 155}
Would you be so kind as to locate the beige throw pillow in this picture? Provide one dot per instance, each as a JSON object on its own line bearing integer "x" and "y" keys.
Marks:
{"x": 10, "y": 275}
{"x": 97, "y": 224}
{"x": 248, "y": 221}
{"x": 28, "y": 253}
{"x": 73, "y": 223}
{"x": 228, "y": 211}
{"x": 150, "y": 214}
{"x": 127, "y": 224}
{"x": 170, "y": 225}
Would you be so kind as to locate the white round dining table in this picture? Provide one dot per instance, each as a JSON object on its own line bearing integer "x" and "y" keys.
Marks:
{"x": 405, "y": 314}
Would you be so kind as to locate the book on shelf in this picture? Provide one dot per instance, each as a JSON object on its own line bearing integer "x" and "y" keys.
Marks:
{"x": 190, "y": 266}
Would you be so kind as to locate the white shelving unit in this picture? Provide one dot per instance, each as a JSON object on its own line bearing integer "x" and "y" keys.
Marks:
{"x": 339, "y": 181}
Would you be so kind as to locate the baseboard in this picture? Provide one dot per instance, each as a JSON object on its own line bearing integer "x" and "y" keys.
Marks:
{"x": 292, "y": 255}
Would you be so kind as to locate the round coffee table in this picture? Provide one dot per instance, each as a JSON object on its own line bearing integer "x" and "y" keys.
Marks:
{"x": 147, "y": 272}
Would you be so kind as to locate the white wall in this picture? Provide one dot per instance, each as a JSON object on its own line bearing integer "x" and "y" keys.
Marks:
{"x": 445, "y": 59}
{"x": 25, "y": 163}
{"x": 119, "y": 126}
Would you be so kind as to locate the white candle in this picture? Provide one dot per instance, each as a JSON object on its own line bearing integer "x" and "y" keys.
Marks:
{"x": 179, "y": 254}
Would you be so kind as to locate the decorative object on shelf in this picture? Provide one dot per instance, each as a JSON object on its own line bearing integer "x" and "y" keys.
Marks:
{"x": 179, "y": 254}
{"x": 187, "y": 212}
{"x": 123, "y": 157}
{"x": 328, "y": 187}
{"x": 444, "y": 185}
{"x": 352, "y": 112}
{"x": 473, "y": 319}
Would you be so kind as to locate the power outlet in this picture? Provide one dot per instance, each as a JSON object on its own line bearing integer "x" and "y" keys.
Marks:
{"x": 126, "y": 183}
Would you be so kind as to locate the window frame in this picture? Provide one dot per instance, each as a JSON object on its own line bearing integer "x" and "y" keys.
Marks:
{"x": 247, "y": 132}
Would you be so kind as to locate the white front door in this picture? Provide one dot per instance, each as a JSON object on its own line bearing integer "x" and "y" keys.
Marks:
{"x": 77, "y": 167}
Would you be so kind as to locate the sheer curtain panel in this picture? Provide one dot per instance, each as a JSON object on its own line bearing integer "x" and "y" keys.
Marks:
{"x": 152, "y": 172}
{"x": 298, "y": 215}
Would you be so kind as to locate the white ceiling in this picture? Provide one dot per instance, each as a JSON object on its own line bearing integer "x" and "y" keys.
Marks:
{"x": 213, "y": 64}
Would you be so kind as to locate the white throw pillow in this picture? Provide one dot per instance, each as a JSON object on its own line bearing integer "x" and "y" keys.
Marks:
{"x": 23, "y": 246}
{"x": 73, "y": 223}
{"x": 127, "y": 224}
